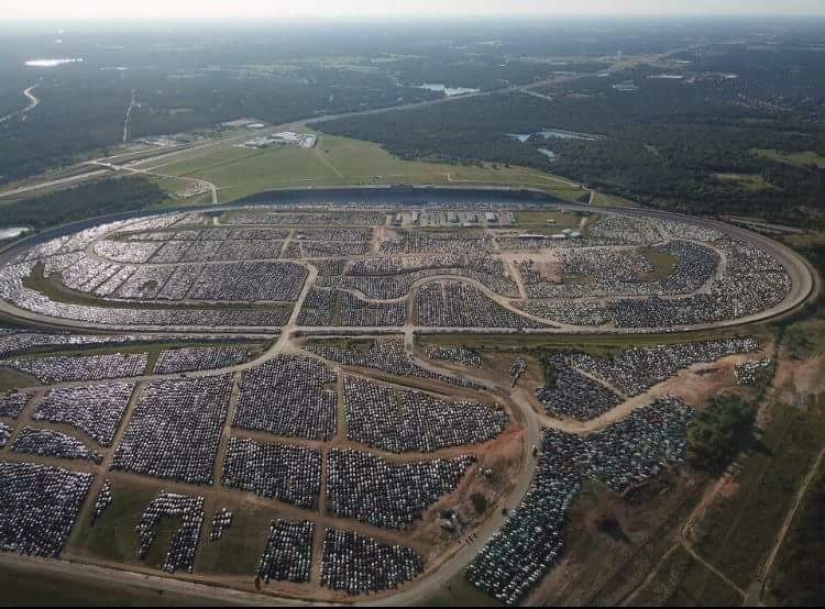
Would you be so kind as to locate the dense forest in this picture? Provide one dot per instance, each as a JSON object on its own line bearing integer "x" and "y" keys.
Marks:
{"x": 688, "y": 141}
{"x": 188, "y": 78}
{"x": 170, "y": 104}
{"x": 81, "y": 115}
{"x": 695, "y": 129}
{"x": 484, "y": 71}
{"x": 110, "y": 196}
{"x": 195, "y": 76}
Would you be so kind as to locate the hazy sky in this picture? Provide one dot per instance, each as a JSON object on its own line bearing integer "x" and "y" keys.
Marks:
{"x": 159, "y": 9}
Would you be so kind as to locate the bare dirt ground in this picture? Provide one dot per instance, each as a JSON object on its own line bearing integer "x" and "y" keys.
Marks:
{"x": 802, "y": 379}
{"x": 695, "y": 385}
{"x": 602, "y": 563}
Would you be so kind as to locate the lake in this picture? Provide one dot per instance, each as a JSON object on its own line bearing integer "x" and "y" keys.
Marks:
{"x": 50, "y": 63}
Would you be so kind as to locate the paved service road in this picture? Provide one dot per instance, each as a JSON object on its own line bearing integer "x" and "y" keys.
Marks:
{"x": 804, "y": 286}
{"x": 461, "y": 556}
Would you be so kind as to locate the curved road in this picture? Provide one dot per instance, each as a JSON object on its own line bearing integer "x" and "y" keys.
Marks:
{"x": 127, "y": 121}
{"x": 311, "y": 120}
{"x": 198, "y": 182}
{"x": 419, "y": 590}
{"x": 33, "y": 103}
{"x": 429, "y": 584}
{"x": 804, "y": 285}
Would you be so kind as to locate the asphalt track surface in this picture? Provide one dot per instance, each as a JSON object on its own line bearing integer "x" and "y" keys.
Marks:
{"x": 804, "y": 284}
{"x": 463, "y": 554}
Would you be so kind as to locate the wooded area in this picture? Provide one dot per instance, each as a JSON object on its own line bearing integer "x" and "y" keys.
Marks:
{"x": 110, "y": 196}
{"x": 720, "y": 432}
{"x": 688, "y": 141}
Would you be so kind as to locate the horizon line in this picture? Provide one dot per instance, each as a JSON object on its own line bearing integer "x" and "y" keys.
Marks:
{"x": 269, "y": 17}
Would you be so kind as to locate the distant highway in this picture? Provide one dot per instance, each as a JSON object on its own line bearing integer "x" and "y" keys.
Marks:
{"x": 528, "y": 89}
{"x": 56, "y": 183}
{"x": 312, "y": 120}
{"x": 199, "y": 183}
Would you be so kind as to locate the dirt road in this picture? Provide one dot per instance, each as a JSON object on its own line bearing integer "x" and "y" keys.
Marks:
{"x": 765, "y": 572}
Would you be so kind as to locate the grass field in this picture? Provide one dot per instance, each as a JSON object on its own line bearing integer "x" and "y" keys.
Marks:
{"x": 24, "y": 588}
{"x": 548, "y": 221}
{"x": 113, "y": 537}
{"x": 796, "y": 578}
{"x": 751, "y": 183}
{"x": 240, "y": 549}
{"x": 663, "y": 264}
{"x": 602, "y": 200}
{"x": 180, "y": 191}
{"x": 11, "y": 379}
{"x": 592, "y": 344}
{"x": 677, "y": 582}
{"x": 738, "y": 532}
{"x": 799, "y": 159}
{"x": 337, "y": 161}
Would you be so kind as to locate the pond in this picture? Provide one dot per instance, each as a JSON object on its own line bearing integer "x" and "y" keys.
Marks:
{"x": 12, "y": 233}
{"x": 558, "y": 134}
{"x": 448, "y": 91}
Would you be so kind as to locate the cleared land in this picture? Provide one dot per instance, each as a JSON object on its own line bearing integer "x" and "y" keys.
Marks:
{"x": 799, "y": 159}
{"x": 752, "y": 183}
{"x": 337, "y": 161}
